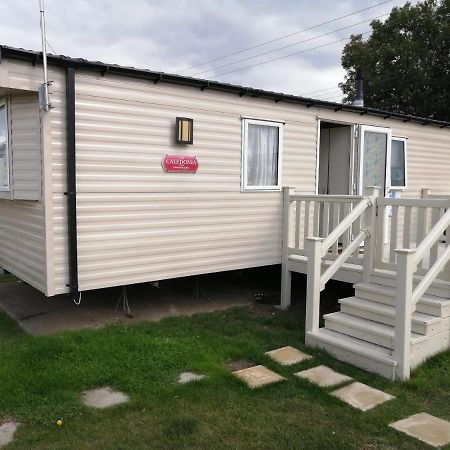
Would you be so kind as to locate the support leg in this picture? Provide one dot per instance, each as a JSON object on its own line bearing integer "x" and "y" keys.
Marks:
{"x": 198, "y": 291}
{"x": 123, "y": 299}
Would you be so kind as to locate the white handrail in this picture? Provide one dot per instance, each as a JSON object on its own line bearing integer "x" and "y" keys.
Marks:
{"x": 435, "y": 234}
{"x": 345, "y": 224}
{"x": 325, "y": 198}
{"x": 338, "y": 262}
{"x": 431, "y": 275}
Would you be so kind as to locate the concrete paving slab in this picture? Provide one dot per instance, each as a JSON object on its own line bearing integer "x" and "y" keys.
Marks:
{"x": 425, "y": 427}
{"x": 361, "y": 396}
{"x": 39, "y": 315}
{"x": 7, "y": 431}
{"x": 104, "y": 398}
{"x": 187, "y": 377}
{"x": 287, "y": 356}
{"x": 258, "y": 376}
{"x": 323, "y": 376}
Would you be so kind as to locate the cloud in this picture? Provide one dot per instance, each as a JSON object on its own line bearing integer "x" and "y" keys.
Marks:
{"x": 172, "y": 35}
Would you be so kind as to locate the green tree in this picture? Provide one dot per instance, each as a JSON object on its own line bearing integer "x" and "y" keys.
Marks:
{"x": 405, "y": 62}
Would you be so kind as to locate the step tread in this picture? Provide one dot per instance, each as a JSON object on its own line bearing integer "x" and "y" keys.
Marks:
{"x": 367, "y": 325}
{"x": 387, "y": 310}
{"x": 389, "y": 278}
{"x": 390, "y": 291}
{"x": 355, "y": 345}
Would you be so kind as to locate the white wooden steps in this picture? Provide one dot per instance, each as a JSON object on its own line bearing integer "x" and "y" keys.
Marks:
{"x": 362, "y": 332}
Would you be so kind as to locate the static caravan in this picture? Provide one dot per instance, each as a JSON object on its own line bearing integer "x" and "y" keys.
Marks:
{"x": 134, "y": 176}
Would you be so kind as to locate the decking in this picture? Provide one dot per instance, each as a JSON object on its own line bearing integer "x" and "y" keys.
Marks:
{"x": 397, "y": 253}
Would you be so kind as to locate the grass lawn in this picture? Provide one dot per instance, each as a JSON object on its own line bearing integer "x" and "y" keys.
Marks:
{"x": 41, "y": 379}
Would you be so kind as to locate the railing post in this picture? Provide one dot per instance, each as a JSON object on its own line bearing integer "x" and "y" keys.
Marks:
{"x": 403, "y": 312}
{"x": 285, "y": 272}
{"x": 313, "y": 247}
{"x": 370, "y": 221}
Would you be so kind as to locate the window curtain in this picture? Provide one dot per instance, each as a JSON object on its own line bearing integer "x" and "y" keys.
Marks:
{"x": 262, "y": 155}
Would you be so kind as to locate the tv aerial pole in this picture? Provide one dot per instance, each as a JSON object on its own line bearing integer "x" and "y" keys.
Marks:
{"x": 45, "y": 93}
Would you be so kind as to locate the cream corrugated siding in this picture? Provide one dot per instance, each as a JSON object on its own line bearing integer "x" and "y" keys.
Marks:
{"x": 25, "y": 147}
{"x": 137, "y": 223}
{"x": 41, "y": 244}
{"x": 22, "y": 241}
{"x": 22, "y": 228}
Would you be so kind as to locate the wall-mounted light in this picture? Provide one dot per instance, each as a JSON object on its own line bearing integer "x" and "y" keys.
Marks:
{"x": 185, "y": 130}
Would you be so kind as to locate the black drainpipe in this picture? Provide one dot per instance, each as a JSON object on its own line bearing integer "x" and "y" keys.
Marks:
{"x": 71, "y": 183}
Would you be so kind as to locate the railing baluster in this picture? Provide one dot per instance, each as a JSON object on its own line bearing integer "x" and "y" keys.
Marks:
{"x": 317, "y": 207}
{"x": 422, "y": 214}
{"x": 393, "y": 240}
{"x": 380, "y": 235}
{"x": 336, "y": 211}
{"x": 435, "y": 216}
{"x": 345, "y": 209}
{"x": 306, "y": 224}
{"x": 407, "y": 227}
{"x": 298, "y": 209}
{"x": 354, "y": 231}
{"x": 326, "y": 219}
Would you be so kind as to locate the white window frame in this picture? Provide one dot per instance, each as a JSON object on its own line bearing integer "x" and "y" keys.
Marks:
{"x": 405, "y": 149}
{"x": 245, "y": 123}
{"x": 7, "y": 188}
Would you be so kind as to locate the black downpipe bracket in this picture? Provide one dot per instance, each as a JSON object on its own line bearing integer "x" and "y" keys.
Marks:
{"x": 71, "y": 183}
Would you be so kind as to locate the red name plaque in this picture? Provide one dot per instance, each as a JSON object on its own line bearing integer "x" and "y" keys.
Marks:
{"x": 177, "y": 163}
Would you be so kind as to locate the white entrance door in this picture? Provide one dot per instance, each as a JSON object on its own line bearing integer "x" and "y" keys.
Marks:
{"x": 374, "y": 158}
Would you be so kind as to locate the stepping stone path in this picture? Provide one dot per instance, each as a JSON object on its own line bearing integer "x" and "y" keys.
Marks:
{"x": 427, "y": 428}
{"x": 258, "y": 376}
{"x": 361, "y": 396}
{"x": 7, "y": 431}
{"x": 187, "y": 377}
{"x": 287, "y": 356}
{"x": 423, "y": 426}
{"x": 104, "y": 398}
{"x": 323, "y": 376}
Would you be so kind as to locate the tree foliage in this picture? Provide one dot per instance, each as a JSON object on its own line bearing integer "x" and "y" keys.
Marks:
{"x": 405, "y": 62}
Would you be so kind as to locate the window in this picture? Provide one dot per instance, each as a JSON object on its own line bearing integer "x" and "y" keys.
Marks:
{"x": 4, "y": 159}
{"x": 398, "y": 163}
{"x": 261, "y": 155}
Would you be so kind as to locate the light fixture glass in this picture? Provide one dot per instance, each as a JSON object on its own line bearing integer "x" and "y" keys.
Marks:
{"x": 185, "y": 130}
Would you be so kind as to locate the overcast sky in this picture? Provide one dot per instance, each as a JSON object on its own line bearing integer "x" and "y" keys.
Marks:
{"x": 172, "y": 35}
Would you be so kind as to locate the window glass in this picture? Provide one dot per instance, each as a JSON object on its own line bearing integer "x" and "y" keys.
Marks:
{"x": 398, "y": 163}
{"x": 375, "y": 146}
{"x": 4, "y": 164}
{"x": 262, "y": 155}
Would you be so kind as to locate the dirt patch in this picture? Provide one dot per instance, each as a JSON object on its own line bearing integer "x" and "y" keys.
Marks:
{"x": 263, "y": 311}
{"x": 239, "y": 364}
